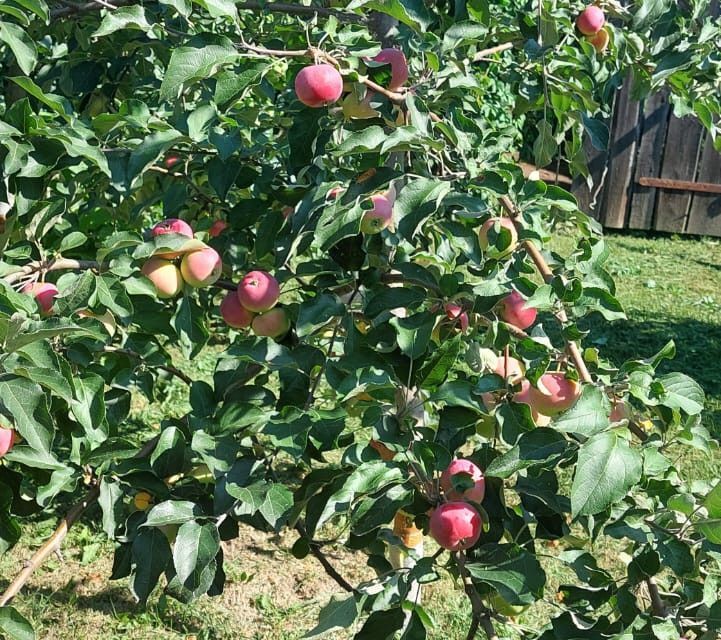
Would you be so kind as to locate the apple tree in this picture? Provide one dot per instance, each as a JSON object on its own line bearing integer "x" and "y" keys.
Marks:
{"x": 327, "y": 198}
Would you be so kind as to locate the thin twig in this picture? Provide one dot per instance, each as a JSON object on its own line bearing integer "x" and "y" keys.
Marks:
{"x": 482, "y": 55}
{"x": 134, "y": 354}
{"x": 657, "y": 605}
{"x": 59, "y": 264}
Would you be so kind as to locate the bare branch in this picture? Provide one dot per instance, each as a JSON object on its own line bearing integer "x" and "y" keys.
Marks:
{"x": 59, "y": 264}
{"x": 481, "y": 615}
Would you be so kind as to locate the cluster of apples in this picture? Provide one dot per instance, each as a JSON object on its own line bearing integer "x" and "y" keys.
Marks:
{"x": 553, "y": 393}
{"x": 8, "y": 439}
{"x": 590, "y": 23}
{"x": 456, "y": 524}
{"x": 253, "y": 304}
{"x": 200, "y": 265}
{"x": 319, "y": 85}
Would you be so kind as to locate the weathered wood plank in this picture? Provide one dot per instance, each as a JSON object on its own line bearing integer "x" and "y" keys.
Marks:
{"x": 705, "y": 214}
{"x": 623, "y": 153}
{"x": 656, "y": 111}
{"x": 680, "y": 160}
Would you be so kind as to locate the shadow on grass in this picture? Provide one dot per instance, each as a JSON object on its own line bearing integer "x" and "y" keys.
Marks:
{"x": 698, "y": 351}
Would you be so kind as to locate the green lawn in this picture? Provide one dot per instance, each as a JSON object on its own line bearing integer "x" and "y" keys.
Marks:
{"x": 671, "y": 289}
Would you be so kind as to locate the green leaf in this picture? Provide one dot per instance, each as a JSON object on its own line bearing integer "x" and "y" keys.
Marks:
{"x": 60, "y": 105}
{"x": 172, "y": 512}
{"x": 410, "y": 12}
{"x": 111, "y": 503}
{"x": 195, "y": 548}
{"x": 544, "y": 148}
{"x": 189, "y": 324}
{"x": 682, "y": 392}
{"x": 339, "y": 613}
{"x": 317, "y": 312}
{"x": 367, "y": 478}
{"x": 20, "y": 44}
{"x": 278, "y": 502}
{"x": 533, "y": 448}
{"x": 168, "y": 457}
{"x": 150, "y": 557}
{"x": 14, "y": 625}
{"x": 607, "y": 468}
{"x": 516, "y": 574}
{"x": 132, "y": 17}
{"x": 149, "y": 150}
{"x": 188, "y": 64}
{"x": 588, "y": 416}
{"x": 25, "y": 401}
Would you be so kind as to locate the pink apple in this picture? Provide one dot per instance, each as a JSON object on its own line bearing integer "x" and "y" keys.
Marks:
{"x": 7, "y": 440}
{"x": 528, "y": 395}
{"x": 217, "y": 228}
{"x": 399, "y": 66}
{"x": 287, "y": 212}
{"x": 202, "y": 267}
{"x": 318, "y": 85}
{"x": 489, "y": 231}
{"x": 515, "y": 372}
{"x": 258, "y": 291}
{"x": 455, "y": 525}
{"x": 461, "y": 466}
{"x": 171, "y": 160}
{"x": 164, "y": 275}
{"x": 271, "y": 324}
{"x": 591, "y": 20}
{"x": 553, "y": 394}
{"x": 44, "y": 294}
{"x": 234, "y": 313}
{"x": 171, "y": 225}
{"x": 455, "y": 312}
{"x": 513, "y": 310}
{"x": 620, "y": 411}
{"x": 379, "y": 217}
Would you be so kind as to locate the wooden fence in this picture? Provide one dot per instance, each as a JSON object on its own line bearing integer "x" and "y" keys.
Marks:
{"x": 647, "y": 144}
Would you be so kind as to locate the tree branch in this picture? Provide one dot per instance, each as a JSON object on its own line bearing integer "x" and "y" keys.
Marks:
{"x": 59, "y": 264}
{"x": 657, "y": 605}
{"x": 325, "y": 563}
{"x": 482, "y": 55}
{"x": 481, "y": 617}
{"x": 55, "y": 541}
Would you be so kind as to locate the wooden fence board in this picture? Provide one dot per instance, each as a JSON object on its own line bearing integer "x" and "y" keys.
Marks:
{"x": 623, "y": 152}
{"x": 705, "y": 214}
{"x": 648, "y": 162}
{"x": 680, "y": 160}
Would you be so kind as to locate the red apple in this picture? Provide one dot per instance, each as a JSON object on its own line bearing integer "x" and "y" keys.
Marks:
{"x": 164, "y": 275}
{"x": 399, "y": 66}
{"x": 527, "y": 395}
{"x": 171, "y": 160}
{"x": 513, "y": 310}
{"x": 591, "y": 20}
{"x": 474, "y": 493}
{"x": 271, "y": 324}
{"x": 620, "y": 411}
{"x": 217, "y": 228}
{"x": 7, "y": 440}
{"x": 455, "y": 525}
{"x": 258, "y": 291}
{"x": 379, "y": 217}
{"x": 455, "y": 312}
{"x": 489, "y": 231}
{"x": 600, "y": 41}
{"x": 318, "y": 85}
{"x": 202, "y": 267}
{"x": 44, "y": 294}
{"x": 234, "y": 313}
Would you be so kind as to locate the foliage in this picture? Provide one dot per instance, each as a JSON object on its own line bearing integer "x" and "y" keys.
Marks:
{"x": 114, "y": 118}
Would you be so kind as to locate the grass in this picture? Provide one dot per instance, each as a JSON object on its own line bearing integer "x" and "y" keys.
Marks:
{"x": 670, "y": 288}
